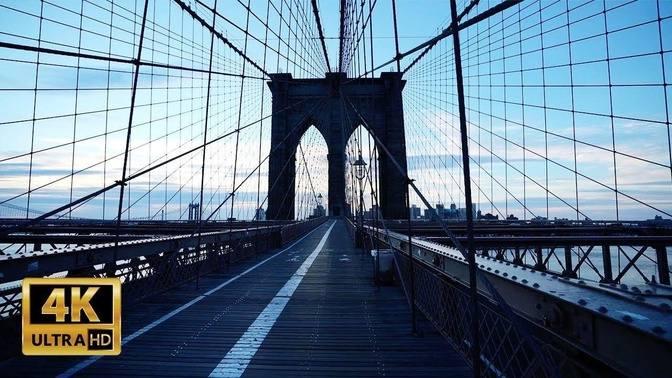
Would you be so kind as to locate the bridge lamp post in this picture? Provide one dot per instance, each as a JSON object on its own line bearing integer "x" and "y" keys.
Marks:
{"x": 360, "y": 173}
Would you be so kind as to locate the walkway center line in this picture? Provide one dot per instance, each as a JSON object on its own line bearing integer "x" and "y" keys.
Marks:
{"x": 238, "y": 358}
{"x": 87, "y": 362}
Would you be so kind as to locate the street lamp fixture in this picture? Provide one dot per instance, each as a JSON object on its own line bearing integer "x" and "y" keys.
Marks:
{"x": 360, "y": 168}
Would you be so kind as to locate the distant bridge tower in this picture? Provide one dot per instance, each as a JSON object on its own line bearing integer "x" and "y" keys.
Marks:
{"x": 300, "y": 103}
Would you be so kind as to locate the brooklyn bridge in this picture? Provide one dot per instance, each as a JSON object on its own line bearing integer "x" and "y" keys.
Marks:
{"x": 344, "y": 188}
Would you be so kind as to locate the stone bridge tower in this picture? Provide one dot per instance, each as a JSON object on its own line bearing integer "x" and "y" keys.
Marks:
{"x": 301, "y": 103}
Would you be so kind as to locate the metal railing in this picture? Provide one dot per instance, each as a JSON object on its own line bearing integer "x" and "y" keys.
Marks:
{"x": 145, "y": 267}
{"x": 630, "y": 254}
{"x": 571, "y": 324}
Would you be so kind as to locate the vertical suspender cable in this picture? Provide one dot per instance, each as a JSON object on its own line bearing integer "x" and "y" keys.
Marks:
{"x": 134, "y": 91}
{"x": 201, "y": 208}
{"x": 397, "y": 57}
{"x": 471, "y": 253}
{"x": 408, "y": 189}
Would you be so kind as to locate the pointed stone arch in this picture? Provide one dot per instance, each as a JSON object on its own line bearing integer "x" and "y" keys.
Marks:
{"x": 300, "y": 103}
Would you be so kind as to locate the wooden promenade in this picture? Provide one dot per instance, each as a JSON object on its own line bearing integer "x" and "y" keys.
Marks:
{"x": 309, "y": 309}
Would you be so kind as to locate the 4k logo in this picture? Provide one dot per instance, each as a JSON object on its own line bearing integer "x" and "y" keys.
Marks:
{"x": 71, "y": 316}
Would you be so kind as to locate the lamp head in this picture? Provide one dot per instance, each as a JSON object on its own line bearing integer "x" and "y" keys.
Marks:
{"x": 360, "y": 168}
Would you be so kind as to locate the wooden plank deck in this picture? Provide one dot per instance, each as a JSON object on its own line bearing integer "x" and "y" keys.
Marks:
{"x": 335, "y": 323}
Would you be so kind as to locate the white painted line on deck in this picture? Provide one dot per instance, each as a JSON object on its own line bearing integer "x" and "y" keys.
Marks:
{"x": 238, "y": 358}
{"x": 87, "y": 362}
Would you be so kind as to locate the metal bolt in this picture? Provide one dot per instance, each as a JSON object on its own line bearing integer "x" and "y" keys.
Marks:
{"x": 627, "y": 318}
{"x": 582, "y": 302}
{"x": 524, "y": 281}
{"x": 602, "y": 309}
{"x": 514, "y": 277}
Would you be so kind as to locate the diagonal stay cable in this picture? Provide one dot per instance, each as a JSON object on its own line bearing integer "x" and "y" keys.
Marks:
{"x": 505, "y": 4}
{"x": 465, "y": 12}
{"x": 46, "y": 50}
{"x": 310, "y": 180}
{"x": 219, "y": 35}
{"x": 503, "y": 305}
{"x": 319, "y": 30}
{"x": 117, "y": 183}
{"x": 296, "y": 126}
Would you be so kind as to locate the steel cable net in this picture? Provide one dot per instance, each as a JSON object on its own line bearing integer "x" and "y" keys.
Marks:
{"x": 568, "y": 117}
{"x": 568, "y": 112}
{"x": 182, "y": 81}
{"x": 142, "y": 111}
{"x": 159, "y": 110}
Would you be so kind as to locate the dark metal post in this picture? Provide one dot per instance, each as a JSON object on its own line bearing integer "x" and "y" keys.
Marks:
{"x": 606, "y": 263}
{"x": 471, "y": 256}
{"x": 539, "y": 265}
{"x": 517, "y": 259}
{"x": 414, "y": 329}
{"x": 569, "y": 271}
{"x": 663, "y": 267}
{"x": 361, "y": 218}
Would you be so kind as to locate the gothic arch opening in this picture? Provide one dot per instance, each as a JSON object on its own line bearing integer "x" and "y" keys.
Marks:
{"x": 378, "y": 100}
{"x": 361, "y": 174}
{"x": 311, "y": 182}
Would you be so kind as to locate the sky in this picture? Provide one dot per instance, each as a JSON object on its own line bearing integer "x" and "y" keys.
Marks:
{"x": 561, "y": 112}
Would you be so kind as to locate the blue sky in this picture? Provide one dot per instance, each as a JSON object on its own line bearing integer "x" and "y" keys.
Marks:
{"x": 512, "y": 98}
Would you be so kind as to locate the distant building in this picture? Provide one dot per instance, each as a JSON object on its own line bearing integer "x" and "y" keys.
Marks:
{"x": 659, "y": 221}
{"x": 194, "y": 213}
{"x": 440, "y": 210}
{"x": 415, "y": 212}
{"x": 512, "y": 217}
{"x": 260, "y": 214}
{"x": 428, "y": 214}
{"x": 487, "y": 216}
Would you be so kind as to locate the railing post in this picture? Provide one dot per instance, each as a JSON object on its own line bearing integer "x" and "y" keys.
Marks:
{"x": 569, "y": 271}
{"x": 517, "y": 259}
{"x": 663, "y": 266}
{"x": 412, "y": 267}
{"x": 539, "y": 265}
{"x": 606, "y": 263}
